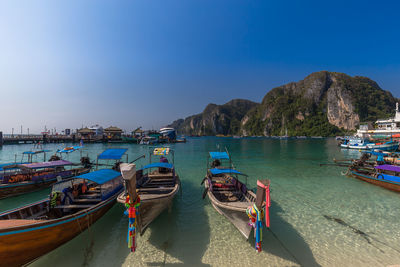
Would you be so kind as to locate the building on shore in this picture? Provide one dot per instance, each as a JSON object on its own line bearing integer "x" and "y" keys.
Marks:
{"x": 98, "y": 130}
{"x": 138, "y": 133}
{"x": 86, "y": 133}
{"x": 113, "y": 133}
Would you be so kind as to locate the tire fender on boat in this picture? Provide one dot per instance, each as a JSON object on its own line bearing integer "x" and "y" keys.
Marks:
{"x": 379, "y": 176}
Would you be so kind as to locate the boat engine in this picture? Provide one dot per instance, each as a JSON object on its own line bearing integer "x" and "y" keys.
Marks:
{"x": 54, "y": 158}
{"x": 85, "y": 161}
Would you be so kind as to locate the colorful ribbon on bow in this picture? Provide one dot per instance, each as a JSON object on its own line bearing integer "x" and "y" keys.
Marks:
{"x": 132, "y": 210}
{"x": 256, "y": 216}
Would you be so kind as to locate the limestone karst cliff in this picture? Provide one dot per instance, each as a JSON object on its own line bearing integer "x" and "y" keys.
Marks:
{"x": 324, "y": 103}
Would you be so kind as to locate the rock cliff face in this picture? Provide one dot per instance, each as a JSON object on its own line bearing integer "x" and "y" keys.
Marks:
{"x": 216, "y": 119}
{"x": 324, "y": 103}
{"x": 340, "y": 108}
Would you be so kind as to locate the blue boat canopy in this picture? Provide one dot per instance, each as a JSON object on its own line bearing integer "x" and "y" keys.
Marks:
{"x": 216, "y": 171}
{"x": 219, "y": 155}
{"x": 158, "y": 165}
{"x": 101, "y": 176}
{"x": 112, "y": 153}
{"x": 35, "y": 152}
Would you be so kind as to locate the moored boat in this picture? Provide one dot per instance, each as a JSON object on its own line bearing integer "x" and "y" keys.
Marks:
{"x": 365, "y": 144}
{"x": 33, "y": 230}
{"x": 156, "y": 184}
{"x": 31, "y": 177}
{"x": 148, "y": 140}
{"x": 231, "y": 198}
{"x": 387, "y": 176}
{"x": 10, "y": 166}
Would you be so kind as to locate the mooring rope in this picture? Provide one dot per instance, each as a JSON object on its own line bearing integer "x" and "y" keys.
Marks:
{"x": 283, "y": 245}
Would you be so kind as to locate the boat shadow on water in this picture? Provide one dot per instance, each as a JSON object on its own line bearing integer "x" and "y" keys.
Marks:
{"x": 183, "y": 234}
{"x": 284, "y": 241}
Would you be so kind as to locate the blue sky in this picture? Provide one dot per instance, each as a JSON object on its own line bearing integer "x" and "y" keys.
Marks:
{"x": 65, "y": 64}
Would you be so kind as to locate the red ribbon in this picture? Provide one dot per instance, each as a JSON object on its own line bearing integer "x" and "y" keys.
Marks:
{"x": 267, "y": 201}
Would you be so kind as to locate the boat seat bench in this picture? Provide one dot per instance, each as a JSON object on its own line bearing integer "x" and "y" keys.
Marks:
{"x": 43, "y": 212}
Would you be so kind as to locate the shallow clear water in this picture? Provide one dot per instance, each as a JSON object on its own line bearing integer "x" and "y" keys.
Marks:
{"x": 318, "y": 216}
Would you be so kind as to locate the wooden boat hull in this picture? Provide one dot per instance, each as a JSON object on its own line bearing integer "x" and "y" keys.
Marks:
{"x": 152, "y": 205}
{"x": 236, "y": 213}
{"x": 238, "y": 218}
{"x": 151, "y": 208}
{"x": 385, "y": 147}
{"x": 15, "y": 189}
{"x": 379, "y": 182}
{"x": 23, "y": 244}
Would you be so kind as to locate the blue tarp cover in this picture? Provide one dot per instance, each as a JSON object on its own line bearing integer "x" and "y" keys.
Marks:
{"x": 220, "y": 171}
{"x": 101, "y": 176}
{"x": 219, "y": 155}
{"x": 158, "y": 165}
{"x": 112, "y": 153}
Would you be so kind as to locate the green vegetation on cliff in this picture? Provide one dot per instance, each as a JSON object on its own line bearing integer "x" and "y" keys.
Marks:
{"x": 324, "y": 103}
{"x": 216, "y": 119}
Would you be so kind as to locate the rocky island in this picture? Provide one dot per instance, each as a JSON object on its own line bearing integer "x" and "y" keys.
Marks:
{"x": 324, "y": 103}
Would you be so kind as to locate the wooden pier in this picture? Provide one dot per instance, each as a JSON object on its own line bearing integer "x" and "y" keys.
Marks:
{"x": 35, "y": 138}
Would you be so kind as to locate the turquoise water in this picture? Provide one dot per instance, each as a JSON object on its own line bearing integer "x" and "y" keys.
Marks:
{"x": 318, "y": 216}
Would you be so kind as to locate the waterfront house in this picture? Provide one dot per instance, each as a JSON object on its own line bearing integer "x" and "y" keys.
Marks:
{"x": 86, "y": 133}
{"x": 113, "y": 133}
{"x": 98, "y": 130}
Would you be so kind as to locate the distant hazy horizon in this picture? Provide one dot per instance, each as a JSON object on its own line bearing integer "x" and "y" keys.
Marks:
{"x": 65, "y": 64}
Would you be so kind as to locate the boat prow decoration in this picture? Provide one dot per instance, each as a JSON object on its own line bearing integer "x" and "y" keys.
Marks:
{"x": 155, "y": 184}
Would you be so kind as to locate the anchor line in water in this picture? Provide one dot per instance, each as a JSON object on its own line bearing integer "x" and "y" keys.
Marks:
{"x": 88, "y": 254}
{"x": 165, "y": 256}
{"x": 283, "y": 245}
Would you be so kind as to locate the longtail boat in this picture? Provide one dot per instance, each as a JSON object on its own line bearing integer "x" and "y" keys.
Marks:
{"x": 156, "y": 184}
{"x": 23, "y": 178}
{"x": 10, "y": 166}
{"x": 386, "y": 176}
{"x": 365, "y": 144}
{"x": 231, "y": 198}
{"x": 31, "y": 231}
